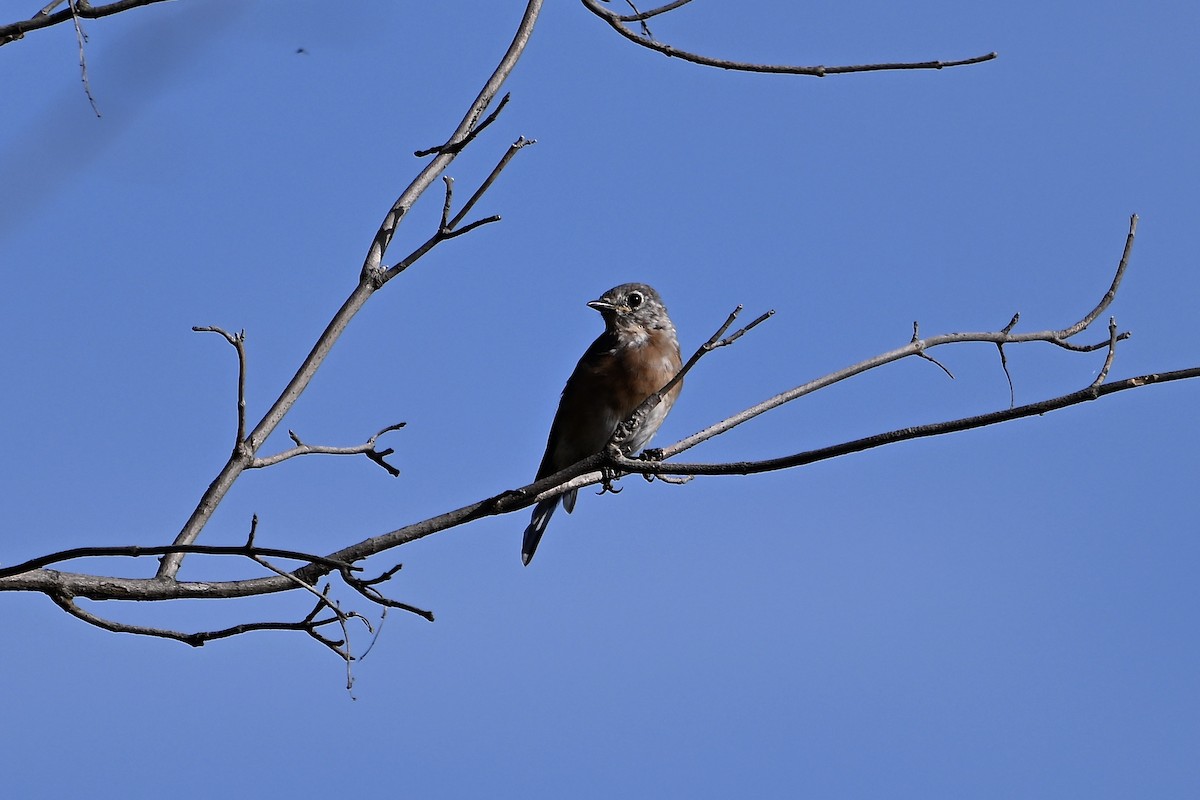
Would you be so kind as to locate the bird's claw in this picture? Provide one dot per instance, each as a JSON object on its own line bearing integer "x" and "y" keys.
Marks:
{"x": 606, "y": 481}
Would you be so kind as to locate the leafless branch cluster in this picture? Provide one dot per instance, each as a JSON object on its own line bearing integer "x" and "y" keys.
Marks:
{"x": 327, "y": 614}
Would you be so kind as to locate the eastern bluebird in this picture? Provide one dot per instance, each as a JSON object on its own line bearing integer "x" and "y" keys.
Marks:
{"x": 635, "y": 357}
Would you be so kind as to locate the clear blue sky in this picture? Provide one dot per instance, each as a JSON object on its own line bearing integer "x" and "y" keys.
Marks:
{"x": 1010, "y": 612}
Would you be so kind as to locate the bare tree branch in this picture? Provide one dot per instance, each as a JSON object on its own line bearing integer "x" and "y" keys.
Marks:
{"x": 1059, "y": 338}
{"x": 1091, "y": 392}
{"x": 371, "y": 277}
{"x": 341, "y": 647}
{"x": 590, "y": 471}
{"x": 457, "y": 147}
{"x": 66, "y": 588}
{"x": 138, "y": 551}
{"x": 639, "y": 16}
{"x": 78, "y": 9}
{"x": 309, "y": 625}
{"x": 366, "y": 587}
{"x": 617, "y": 23}
{"x": 916, "y": 337}
{"x": 584, "y": 473}
{"x": 367, "y": 449}
{"x": 81, "y": 38}
{"x": 448, "y": 228}
{"x": 447, "y": 152}
{"x": 238, "y": 340}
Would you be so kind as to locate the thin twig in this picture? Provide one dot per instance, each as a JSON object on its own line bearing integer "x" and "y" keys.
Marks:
{"x": 916, "y": 338}
{"x": 1108, "y": 297}
{"x": 375, "y": 636}
{"x": 446, "y": 179}
{"x": 449, "y": 229}
{"x": 196, "y": 639}
{"x": 634, "y": 420}
{"x": 472, "y": 226}
{"x": 514, "y": 148}
{"x": 616, "y": 22}
{"x": 1113, "y": 338}
{"x": 1007, "y": 329}
{"x": 367, "y": 589}
{"x": 81, "y": 38}
{"x": 238, "y": 340}
{"x": 301, "y": 449}
{"x": 342, "y": 648}
{"x": 457, "y": 147}
{"x": 372, "y": 265}
{"x": 639, "y": 16}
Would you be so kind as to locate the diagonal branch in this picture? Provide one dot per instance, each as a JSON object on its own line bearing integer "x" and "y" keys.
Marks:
{"x": 635, "y": 420}
{"x": 447, "y": 151}
{"x": 916, "y": 346}
{"x": 448, "y": 229}
{"x": 371, "y": 277}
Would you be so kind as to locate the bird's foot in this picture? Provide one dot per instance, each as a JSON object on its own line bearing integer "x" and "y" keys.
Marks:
{"x": 655, "y": 455}
{"x": 609, "y": 475}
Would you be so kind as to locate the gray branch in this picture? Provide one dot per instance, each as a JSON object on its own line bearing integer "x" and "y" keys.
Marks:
{"x": 76, "y": 10}
{"x": 371, "y": 277}
{"x": 617, "y": 23}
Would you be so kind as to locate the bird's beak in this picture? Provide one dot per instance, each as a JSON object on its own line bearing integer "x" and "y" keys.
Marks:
{"x": 602, "y": 306}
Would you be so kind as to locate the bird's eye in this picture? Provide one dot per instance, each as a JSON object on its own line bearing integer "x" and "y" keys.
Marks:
{"x": 635, "y": 299}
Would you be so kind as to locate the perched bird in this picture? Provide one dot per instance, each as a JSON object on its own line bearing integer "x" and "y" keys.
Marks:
{"x": 635, "y": 357}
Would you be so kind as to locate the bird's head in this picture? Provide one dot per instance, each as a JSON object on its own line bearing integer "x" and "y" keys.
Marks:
{"x": 633, "y": 308}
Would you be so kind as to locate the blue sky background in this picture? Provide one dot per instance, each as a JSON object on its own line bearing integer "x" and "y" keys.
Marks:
{"x": 1009, "y": 612}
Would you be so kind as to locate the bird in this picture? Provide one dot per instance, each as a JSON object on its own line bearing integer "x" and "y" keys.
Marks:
{"x": 635, "y": 357}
